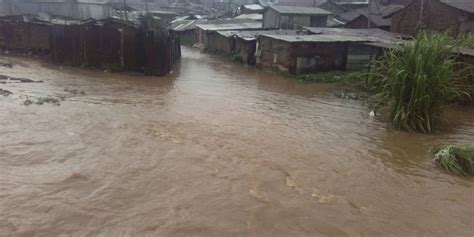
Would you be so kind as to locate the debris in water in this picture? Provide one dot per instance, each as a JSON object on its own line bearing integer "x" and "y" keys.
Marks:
{"x": 27, "y": 102}
{"x": 17, "y": 79}
{"x": 5, "y": 92}
{"x": 7, "y": 65}
{"x": 74, "y": 91}
{"x": 322, "y": 198}
{"x": 344, "y": 94}
{"x": 42, "y": 100}
{"x": 372, "y": 113}
{"x": 292, "y": 184}
{"x": 261, "y": 196}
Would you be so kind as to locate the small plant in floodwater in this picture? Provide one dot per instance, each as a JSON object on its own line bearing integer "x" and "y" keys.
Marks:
{"x": 47, "y": 100}
{"x": 455, "y": 159}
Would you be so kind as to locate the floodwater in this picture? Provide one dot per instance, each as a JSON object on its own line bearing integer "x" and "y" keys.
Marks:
{"x": 216, "y": 149}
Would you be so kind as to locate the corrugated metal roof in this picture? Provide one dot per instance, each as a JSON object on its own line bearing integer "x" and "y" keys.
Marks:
{"x": 253, "y": 16}
{"x": 253, "y": 34}
{"x": 298, "y": 3}
{"x": 230, "y": 26}
{"x": 185, "y": 25}
{"x": 381, "y": 11}
{"x": 377, "y": 35}
{"x": 300, "y": 10}
{"x": 316, "y": 38}
{"x": 465, "y": 5}
{"x": 254, "y": 7}
{"x": 379, "y": 15}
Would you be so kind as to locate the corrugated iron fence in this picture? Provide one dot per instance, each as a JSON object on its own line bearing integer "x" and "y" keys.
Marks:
{"x": 109, "y": 45}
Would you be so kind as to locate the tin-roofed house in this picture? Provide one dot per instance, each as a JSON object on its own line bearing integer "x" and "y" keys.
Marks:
{"x": 325, "y": 49}
{"x": 242, "y": 45}
{"x": 251, "y": 9}
{"x": 207, "y": 36}
{"x": 186, "y": 30}
{"x": 453, "y": 16}
{"x": 289, "y": 17}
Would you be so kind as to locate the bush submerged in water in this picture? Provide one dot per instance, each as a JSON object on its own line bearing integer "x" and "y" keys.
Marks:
{"x": 417, "y": 79}
{"x": 457, "y": 160}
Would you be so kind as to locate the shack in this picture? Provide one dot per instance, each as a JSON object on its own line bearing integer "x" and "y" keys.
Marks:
{"x": 186, "y": 30}
{"x": 359, "y": 55}
{"x": 242, "y": 45}
{"x": 288, "y": 17}
{"x": 251, "y": 9}
{"x": 109, "y": 43}
{"x": 453, "y": 16}
{"x": 326, "y": 49}
{"x": 207, "y": 32}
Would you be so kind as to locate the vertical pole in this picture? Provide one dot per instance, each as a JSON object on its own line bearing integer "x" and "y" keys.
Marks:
{"x": 146, "y": 6}
{"x": 369, "y": 16}
{"x": 125, "y": 10}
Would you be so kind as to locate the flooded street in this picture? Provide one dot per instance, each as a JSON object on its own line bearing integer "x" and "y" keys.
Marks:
{"x": 215, "y": 149}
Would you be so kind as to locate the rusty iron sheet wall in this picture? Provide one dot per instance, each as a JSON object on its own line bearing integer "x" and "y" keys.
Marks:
{"x": 111, "y": 45}
{"x": 18, "y": 35}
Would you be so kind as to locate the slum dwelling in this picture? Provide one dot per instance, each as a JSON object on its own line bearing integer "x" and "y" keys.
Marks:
{"x": 110, "y": 43}
{"x": 325, "y": 49}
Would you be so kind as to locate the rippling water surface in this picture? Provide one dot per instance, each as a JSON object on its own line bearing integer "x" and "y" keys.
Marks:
{"x": 216, "y": 149}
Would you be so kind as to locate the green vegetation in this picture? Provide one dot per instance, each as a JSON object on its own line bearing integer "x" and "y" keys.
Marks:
{"x": 113, "y": 67}
{"x": 412, "y": 81}
{"x": 417, "y": 79}
{"x": 455, "y": 159}
{"x": 465, "y": 41}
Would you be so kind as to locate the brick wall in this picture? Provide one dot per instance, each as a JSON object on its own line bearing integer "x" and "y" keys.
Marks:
{"x": 362, "y": 22}
{"x": 436, "y": 16}
{"x": 274, "y": 53}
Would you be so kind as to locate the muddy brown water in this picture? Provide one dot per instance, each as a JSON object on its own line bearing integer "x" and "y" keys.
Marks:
{"x": 216, "y": 149}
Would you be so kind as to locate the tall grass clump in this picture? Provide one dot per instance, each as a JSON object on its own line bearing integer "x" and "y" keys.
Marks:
{"x": 455, "y": 159}
{"x": 417, "y": 79}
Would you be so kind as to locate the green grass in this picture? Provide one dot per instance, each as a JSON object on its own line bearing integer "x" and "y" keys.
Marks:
{"x": 458, "y": 160}
{"x": 416, "y": 80}
{"x": 465, "y": 41}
